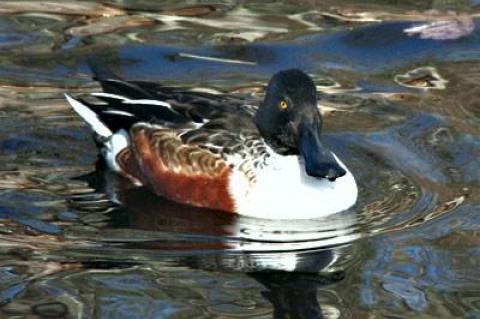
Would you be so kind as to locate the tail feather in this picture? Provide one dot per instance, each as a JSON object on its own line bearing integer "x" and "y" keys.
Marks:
{"x": 105, "y": 120}
{"x": 89, "y": 116}
{"x": 113, "y": 139}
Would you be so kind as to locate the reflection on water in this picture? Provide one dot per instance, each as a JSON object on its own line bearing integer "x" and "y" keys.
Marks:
{"x": 398, "y": 85}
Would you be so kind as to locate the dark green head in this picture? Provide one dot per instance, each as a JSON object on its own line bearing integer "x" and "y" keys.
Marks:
{"x": 290, "y": 122}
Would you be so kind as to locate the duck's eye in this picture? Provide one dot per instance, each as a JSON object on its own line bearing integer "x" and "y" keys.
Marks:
{"x": 283, "y": 105}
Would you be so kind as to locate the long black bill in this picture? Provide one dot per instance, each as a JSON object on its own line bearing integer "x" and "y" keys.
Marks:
{"x": 319, "y": 161}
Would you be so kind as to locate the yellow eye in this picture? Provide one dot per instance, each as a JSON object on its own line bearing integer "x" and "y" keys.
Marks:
{"x": 283, "y": 105}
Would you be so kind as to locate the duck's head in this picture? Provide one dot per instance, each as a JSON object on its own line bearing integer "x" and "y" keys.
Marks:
{"x": 290, "y": 122}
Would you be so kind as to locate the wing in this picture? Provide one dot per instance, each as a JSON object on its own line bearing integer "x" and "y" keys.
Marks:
{"x": 128, "y": 102}
{"x": 193, "y": 169}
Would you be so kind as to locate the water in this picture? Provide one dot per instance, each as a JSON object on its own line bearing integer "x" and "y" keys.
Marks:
{"x": 401, "y": 108}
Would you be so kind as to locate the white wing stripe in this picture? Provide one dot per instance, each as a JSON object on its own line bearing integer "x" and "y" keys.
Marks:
{"x": 126, "y": 100}
{"x": 147, "y": 102}
{"x": 118, "y": 112}
{"x": 109, "y": 95}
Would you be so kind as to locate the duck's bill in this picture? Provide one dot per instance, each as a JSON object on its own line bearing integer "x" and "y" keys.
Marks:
{"x": 319, "y": 160}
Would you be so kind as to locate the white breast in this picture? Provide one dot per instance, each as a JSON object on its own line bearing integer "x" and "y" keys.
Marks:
{"x": 283, "y": 190}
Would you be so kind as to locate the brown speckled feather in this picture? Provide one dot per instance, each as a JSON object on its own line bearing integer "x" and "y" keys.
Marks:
{"x": 182, "y": 172}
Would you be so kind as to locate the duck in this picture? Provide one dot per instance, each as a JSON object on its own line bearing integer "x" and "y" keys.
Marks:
{"x": 259, "y": 158}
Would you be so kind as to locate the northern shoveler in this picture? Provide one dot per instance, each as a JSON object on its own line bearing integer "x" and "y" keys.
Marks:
{"x": 221, "y": 151}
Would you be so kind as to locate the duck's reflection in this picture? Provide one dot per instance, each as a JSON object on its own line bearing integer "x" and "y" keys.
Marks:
{"x": 289, "y": 259}
{"x": 294, "y": 295}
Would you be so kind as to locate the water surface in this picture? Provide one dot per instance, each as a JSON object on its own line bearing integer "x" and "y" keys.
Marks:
{"x": 398, "y": 87}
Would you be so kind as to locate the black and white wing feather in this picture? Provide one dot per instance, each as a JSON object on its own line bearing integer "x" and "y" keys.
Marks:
{"x": 221, "y": 124}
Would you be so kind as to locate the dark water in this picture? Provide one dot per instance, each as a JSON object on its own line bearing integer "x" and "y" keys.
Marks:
{"x": 402, "y": 109}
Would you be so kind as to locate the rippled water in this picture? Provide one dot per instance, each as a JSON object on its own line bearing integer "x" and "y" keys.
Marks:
{"x": 398, "y": 86}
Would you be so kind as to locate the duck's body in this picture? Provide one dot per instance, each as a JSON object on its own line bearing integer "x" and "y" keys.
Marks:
{"x": 219, "y": 151}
